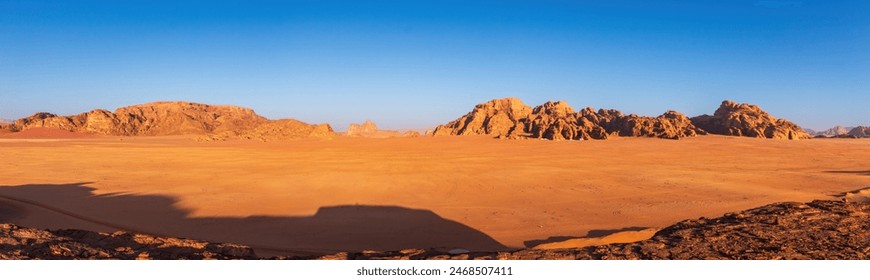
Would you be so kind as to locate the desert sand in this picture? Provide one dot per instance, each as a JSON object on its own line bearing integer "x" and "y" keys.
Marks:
{"x": 348, "y": 194}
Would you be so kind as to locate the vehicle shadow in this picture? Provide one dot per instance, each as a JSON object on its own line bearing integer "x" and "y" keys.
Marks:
{"x": 331, "y": 229}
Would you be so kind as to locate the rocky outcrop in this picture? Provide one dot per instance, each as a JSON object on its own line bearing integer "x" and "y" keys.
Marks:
{"x": 369, "y": 129}
{"x": 861, "y": 131}
{"x": 18, "y": 243}
{"x": 740, "y": 119}
{"x": 558, "y": 121}
{"x": 670, "y": 125}
{"x": 510, "y": 118}
{"x": 176, "y": 118}
{"x": 818, "y": 230}
{"x": 180, "y": 118}
{"x": 498, "y": 117}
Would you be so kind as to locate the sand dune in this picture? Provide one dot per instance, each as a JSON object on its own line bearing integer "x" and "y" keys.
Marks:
{"x": 350, "y": 194}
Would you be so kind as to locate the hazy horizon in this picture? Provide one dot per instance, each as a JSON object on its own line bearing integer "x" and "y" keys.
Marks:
{"x": 414, "y": 65}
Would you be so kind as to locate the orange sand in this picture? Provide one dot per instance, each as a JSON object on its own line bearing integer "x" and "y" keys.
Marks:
{"x": 468, "y": 192}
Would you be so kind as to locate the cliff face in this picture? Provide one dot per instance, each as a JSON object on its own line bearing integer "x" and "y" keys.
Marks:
{"x": 510, "y": 118}
{"x": 175, "y": 118}
{"x": 739, "y": 119}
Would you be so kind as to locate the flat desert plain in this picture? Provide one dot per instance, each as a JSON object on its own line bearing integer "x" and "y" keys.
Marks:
{"x": 351, "y": 194}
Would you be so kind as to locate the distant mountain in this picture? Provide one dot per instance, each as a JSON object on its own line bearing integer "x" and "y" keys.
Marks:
{"x": 175, "y": 118}
{"x": 861, "y": 131}
{"x": 510, "y": 118}
{"x": 834, "y": 131}
{"x": 369, "y": 129}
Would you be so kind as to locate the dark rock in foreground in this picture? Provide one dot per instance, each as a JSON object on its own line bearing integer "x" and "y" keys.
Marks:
{"x": 27, "y": 243}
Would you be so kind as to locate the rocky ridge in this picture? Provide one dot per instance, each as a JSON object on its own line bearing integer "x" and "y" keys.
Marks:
{"x": 175, "y": 118}
{"x": 511, "y": 118}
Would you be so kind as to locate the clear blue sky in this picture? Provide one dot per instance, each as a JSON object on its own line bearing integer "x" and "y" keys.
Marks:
{"x": 416, "y": 64}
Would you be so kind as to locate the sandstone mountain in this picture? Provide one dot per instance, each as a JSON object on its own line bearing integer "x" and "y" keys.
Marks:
{"x": 369, "y": 129}
{"x": 175, "y": 118}
{"x": 498, "y": 117}
{"x": 740, "y": 119}
{"x": 511, "y": 118}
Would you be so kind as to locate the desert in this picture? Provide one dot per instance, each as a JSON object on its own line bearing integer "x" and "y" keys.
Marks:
{"x": 288, "y": 189}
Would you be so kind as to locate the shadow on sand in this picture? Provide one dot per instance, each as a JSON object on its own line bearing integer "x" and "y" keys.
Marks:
{"x": 595, "y": 233}
{"x": 856, "y": 172}
{"x": 331, "y": 229}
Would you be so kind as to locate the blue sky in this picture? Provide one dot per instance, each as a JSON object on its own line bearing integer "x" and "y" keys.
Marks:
{"x": 416, "y": 64}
